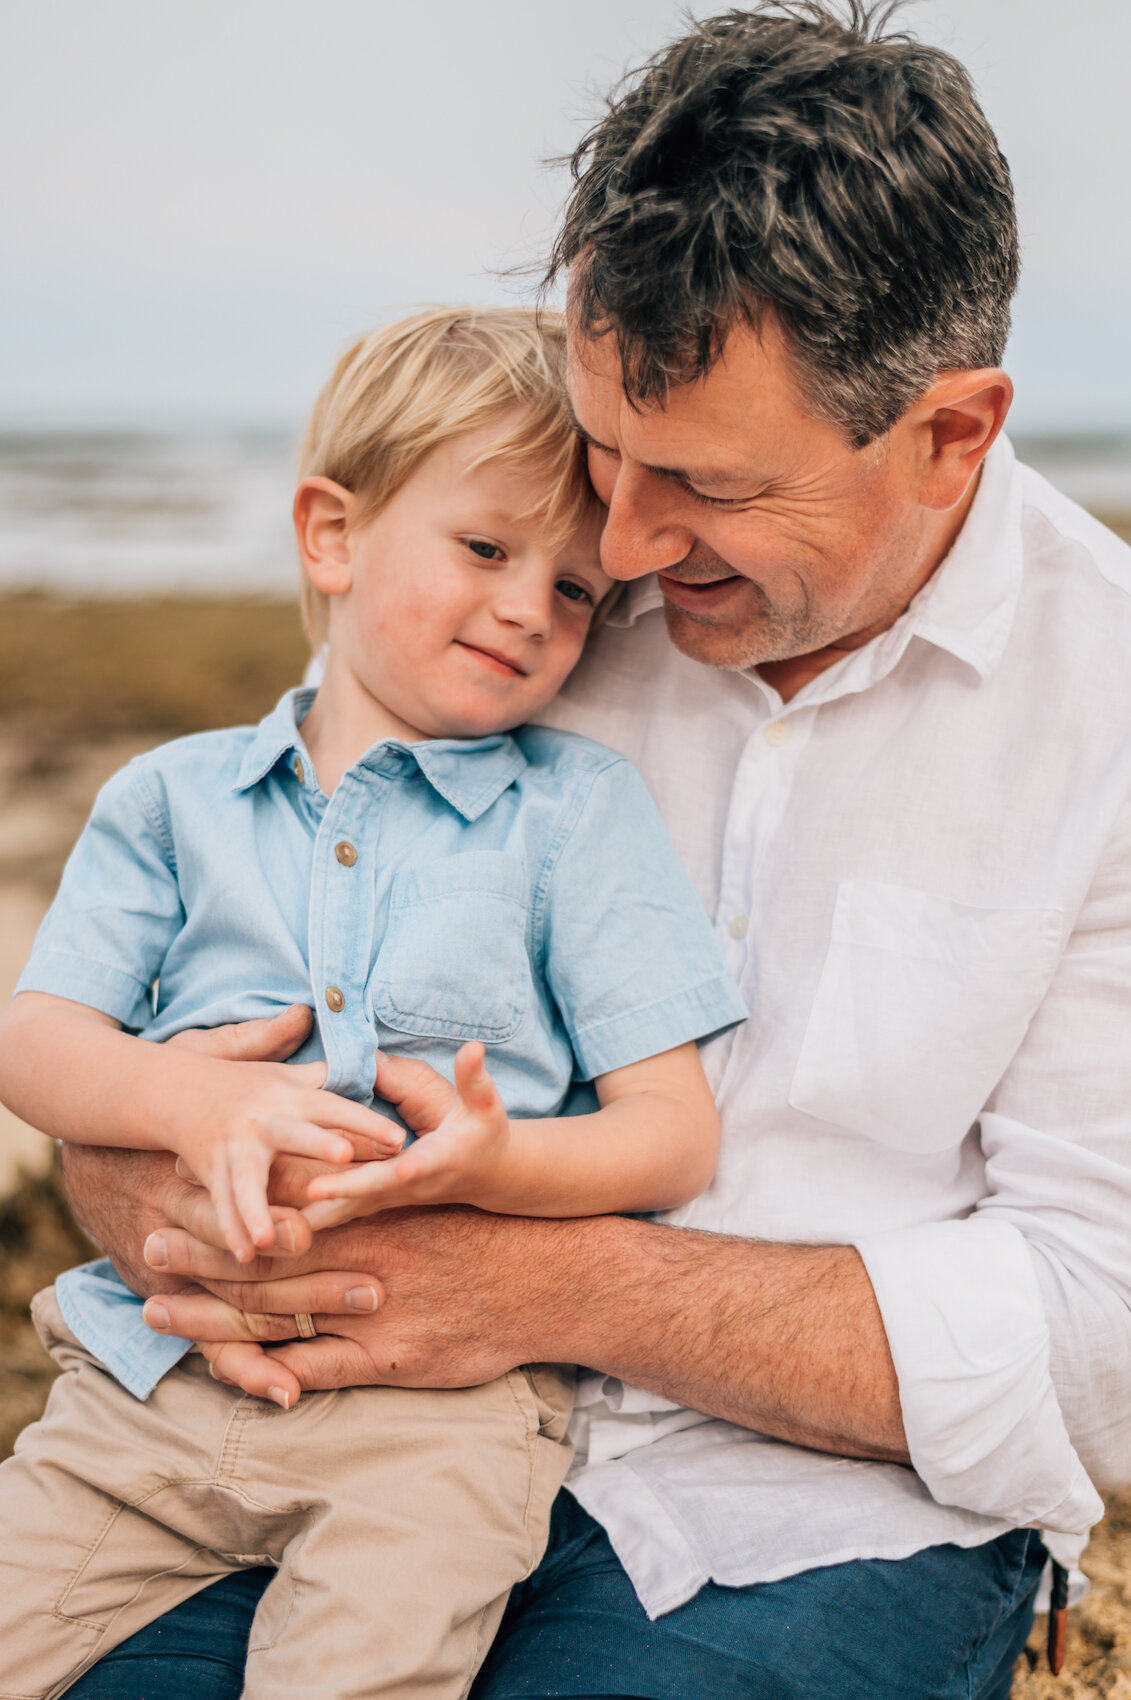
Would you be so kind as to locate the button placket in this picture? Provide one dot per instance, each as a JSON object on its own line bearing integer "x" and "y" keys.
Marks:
{"x": 341, "y": 933}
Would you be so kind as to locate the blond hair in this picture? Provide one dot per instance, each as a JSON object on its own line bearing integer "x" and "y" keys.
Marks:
{"x": 399, "y": 392}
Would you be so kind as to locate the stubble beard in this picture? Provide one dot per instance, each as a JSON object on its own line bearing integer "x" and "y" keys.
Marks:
{"x": 762, "y": 632}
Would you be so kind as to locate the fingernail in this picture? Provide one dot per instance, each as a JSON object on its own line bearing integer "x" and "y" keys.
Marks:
{"x": 284, "y": 1236}
{"x": 157, "y": 1252}
{"x": 362, "y": 1298}
{"x": 156, "y": 1315}
{"x": 280, "y": 1398}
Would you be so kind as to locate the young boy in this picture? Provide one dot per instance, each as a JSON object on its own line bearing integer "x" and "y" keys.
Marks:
{"x": 437, "y": 877}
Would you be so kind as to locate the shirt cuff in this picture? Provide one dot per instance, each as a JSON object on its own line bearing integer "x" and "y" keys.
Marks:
{"x": 966, "y": 1326}
{"x": 699, "y": 1013}
{"x": 99, "y": 985}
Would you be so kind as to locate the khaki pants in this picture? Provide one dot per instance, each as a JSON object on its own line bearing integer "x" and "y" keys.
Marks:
{"x": 398, "y": 1521}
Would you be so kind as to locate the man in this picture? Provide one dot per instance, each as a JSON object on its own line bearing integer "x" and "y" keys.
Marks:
{"x": 880, "y": 689}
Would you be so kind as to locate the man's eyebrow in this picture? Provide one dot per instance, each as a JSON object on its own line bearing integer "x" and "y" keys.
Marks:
{"x": 679, "y": 474}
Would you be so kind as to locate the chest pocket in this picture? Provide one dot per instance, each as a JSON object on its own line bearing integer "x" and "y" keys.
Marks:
{"x": 921, "y": 1004}
{"x": 454, "y": 963}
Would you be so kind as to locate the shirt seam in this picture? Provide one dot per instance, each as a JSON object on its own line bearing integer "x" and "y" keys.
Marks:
{"x": 554, "y": 852}
{"x": 156, "y": 817}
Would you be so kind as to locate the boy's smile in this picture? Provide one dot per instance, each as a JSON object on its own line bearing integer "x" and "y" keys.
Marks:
{"x": 451, "y": 613}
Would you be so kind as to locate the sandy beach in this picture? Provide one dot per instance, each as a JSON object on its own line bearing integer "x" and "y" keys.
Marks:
{"x": 86, "y": 684}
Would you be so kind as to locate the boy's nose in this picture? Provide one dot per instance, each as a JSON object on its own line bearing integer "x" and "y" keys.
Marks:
{"x": 529, "y": 606}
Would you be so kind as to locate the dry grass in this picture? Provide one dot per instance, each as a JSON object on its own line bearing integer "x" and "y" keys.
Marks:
{"x": 162, "y": 666}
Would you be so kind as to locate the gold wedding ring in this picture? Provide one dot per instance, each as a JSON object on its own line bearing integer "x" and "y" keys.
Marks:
{"x": 304, "y": 1322}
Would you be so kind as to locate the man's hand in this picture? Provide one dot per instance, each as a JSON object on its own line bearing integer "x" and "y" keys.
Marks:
{"x": 779, "y": 1338}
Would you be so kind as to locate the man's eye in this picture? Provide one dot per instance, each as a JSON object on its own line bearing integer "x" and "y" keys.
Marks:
{"x": 573, "y": 592}
{"x": 486, "y": 551}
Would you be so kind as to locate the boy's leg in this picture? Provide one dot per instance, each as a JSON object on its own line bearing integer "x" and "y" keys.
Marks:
{"x": 92, "y": 1542}
{"x": 425, "y": 1508}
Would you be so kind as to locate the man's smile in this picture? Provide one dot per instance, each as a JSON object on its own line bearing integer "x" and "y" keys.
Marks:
{"x": 700, "y": 595}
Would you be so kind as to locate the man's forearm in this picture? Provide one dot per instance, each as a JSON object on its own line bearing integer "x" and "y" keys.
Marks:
{"x": 787, "y": 1340}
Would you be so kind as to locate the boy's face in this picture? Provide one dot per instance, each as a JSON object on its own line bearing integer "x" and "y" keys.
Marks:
{"x": 459, "y": 619}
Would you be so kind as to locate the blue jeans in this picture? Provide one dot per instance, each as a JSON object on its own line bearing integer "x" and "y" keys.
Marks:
{"x": 947, "y": 1622}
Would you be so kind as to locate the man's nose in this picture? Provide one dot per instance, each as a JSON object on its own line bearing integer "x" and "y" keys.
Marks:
{"x": 640, "y": 536}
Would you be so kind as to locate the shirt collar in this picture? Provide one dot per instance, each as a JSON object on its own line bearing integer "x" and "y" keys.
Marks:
{"x": 469, "y": 773}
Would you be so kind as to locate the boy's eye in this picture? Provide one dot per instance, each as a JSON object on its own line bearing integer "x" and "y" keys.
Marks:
{"x": 573, "y": 592}
{"x": 486, "y": 551}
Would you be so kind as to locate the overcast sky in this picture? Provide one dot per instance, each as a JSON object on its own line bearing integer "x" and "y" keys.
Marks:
{"x": 200, "y": 200}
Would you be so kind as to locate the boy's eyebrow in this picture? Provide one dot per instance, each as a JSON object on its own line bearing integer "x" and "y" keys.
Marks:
{"x": 680, "y": 474}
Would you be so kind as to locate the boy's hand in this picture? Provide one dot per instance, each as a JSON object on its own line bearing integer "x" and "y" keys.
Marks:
{"x": 245, "y": 1114}
{"x": 456, "y": 1163}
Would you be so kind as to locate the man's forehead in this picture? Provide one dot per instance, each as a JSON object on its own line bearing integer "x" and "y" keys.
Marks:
{"x": 707, "y": 430}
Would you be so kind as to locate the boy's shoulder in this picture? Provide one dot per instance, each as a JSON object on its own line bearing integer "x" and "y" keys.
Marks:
{"x": 565, "y": 755}
{"x": 210, "y": 760}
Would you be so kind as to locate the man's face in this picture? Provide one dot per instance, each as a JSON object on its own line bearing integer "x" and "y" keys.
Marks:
{"x": 771, "y": 535}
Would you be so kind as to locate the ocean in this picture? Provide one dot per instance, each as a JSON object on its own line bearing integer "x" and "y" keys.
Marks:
{"x": 101, "y": 514}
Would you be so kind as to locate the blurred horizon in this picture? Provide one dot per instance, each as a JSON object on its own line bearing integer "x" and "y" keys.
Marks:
{"x": 202, "y": 205}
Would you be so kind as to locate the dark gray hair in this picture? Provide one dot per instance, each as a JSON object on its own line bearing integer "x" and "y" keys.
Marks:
{"x": 808, "y": 161}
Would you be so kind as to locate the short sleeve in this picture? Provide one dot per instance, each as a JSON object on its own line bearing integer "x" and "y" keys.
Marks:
{"x": 117, "y": 911}
{"x": 630, "y": 956}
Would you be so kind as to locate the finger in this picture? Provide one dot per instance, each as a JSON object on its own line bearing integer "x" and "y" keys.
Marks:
{"x": 176, "y": 1252}
{"x": 250, "y": 1164}
{"x": 184, "y": 1173}
{"x": 328, "y": 1110}
{"x": 422, "y": 1096}
{"x": 192, "y": 1209}
{"x": 290, "y": 1177}
{"x": 302, "y": 1139}
{"x": 473, "y": 1083}
{"x": 332, "y": 1213}
{"x": 252, "y": 1371}
{"x": 200, "y": 1316}
{"x": 362, "y": 1180}
{"x": 271, "y": 1039}
{"x": 331, "y": 1293}
{"x": 329, "y": 1361}
{"x": 228, "y": 1217}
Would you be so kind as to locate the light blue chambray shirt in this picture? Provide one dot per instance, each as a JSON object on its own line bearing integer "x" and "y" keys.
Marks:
{"x": 520, "y": 889}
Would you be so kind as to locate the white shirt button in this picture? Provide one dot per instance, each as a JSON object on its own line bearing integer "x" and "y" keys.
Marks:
{"x": 739, "y": 927}
{"x": 775, "y": 733}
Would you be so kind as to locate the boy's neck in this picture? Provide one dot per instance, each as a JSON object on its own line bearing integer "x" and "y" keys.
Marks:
{"x": 344, "y": 721}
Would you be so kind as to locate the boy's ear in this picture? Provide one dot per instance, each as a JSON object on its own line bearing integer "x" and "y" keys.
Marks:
{"x": 323, "y": 514}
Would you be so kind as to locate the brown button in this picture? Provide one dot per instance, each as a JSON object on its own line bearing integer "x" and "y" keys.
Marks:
{"x": 300, "y": 771}
{"x": 335, "y": 999}
{"x": 345, "y": 853}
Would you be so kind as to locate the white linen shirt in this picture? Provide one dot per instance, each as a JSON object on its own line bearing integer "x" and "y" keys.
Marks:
{"x": 920, "y": 871}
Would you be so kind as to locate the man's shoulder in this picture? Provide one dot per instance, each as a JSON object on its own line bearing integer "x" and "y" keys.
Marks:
{"x": 1064, "y": 539}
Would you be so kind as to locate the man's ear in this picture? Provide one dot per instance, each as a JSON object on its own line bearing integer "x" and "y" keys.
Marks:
{"x": 324, "y": 513}
{"x": 954, "y": 424}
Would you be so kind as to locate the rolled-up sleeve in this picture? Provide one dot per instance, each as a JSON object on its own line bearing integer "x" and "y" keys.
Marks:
{"x": 1011, "y": 1330}
{"x": 117, "y": 910}
{"x": 631, "y": 958}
